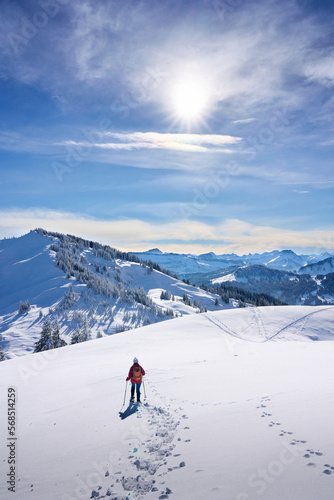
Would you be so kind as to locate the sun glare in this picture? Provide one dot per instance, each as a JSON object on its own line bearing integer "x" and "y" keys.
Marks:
{"x": 189, "y": 101}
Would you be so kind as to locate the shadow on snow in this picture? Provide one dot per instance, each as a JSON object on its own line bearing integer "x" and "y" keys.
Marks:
{"x": 131, "y": 409}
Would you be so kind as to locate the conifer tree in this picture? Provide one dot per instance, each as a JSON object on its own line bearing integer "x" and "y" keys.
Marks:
{"x": 45, "y": 342}
{"x": 2, "y": 354}
{"x": 85, "y": 331}
{"x": 76, "y": 336}
{"x": 56, "y": 340}
{"x": 24, "y": 306}
{"x": 81, "y": 334}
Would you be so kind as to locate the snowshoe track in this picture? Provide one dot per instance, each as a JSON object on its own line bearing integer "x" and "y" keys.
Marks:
{"x": 151, "y": 445}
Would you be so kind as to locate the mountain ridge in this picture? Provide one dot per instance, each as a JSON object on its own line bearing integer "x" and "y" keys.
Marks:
{"x": 291, "y": 278}
{"x": 183, "y": 264}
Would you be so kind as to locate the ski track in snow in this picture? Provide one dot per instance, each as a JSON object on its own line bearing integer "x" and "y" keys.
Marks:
{"x": 303, "y": 319}
{"x": 150, "y": 457}
{"x": 222, "y": 326}
{"x": 256, "y": 322}
{"x": 298, "y": 444}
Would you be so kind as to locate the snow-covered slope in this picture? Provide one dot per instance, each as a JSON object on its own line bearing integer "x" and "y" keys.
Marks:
{"x": 285, "y": 260}
{"x": 27, "y": 272}
{"x": 90, "y": 281}
{"x": 323, "y": 267}
{"x": 252, "y": 274}
{"x": 239, "y": 406}
{"x": 292, "y": 288}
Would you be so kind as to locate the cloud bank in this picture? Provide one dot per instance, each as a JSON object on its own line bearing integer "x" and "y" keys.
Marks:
{"x": 183, "y": 236}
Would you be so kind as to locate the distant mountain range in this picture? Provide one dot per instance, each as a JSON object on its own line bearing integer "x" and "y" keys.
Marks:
{"x": 186, "y": 264}
{"x": 292, "y": 278}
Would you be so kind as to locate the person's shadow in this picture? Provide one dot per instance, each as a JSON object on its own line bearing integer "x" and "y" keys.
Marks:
{"x": 131, "y": 409}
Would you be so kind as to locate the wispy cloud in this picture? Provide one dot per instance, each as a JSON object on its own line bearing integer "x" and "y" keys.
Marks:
{"x": 245, "y": 120}
{"x": 330, "y": 142}
{"x": 321, "y": 69}
{"x": 197, "y": 143}
{"x": 249, "y": 60}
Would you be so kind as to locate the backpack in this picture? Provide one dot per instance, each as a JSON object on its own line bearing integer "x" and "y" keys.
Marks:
{"x": 136, "y": 373}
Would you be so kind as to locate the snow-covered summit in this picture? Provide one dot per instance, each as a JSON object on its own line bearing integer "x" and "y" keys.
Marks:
{"x": 154, "y": 251}
{"x": 325, "y": 266}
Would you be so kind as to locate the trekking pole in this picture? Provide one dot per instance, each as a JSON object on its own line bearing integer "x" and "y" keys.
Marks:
{"x": 144, "y": 389}
{"x": 126, "y": 386}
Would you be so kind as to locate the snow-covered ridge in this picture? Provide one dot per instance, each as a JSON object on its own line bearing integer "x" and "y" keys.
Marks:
{"x": 289, "y": 287}
{"x": 291, "y": 278}
{"x": 187, "y": 264}
{"x": 325, "y": 266}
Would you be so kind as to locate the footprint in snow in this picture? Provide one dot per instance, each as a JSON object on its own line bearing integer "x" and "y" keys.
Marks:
{"x": 285, "y": 432}
{"x": 265, "y": 414}
{"x": 295, "y": 441}
{"x": 318, "y": 453}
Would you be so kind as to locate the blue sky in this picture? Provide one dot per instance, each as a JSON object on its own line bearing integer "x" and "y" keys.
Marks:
{"x": 189, "y": 126}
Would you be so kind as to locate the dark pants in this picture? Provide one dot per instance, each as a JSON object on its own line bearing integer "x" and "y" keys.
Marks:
{"x": 137, "y": 387}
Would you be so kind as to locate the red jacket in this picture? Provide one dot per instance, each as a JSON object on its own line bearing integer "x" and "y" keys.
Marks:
{"x": 136, "y": 379}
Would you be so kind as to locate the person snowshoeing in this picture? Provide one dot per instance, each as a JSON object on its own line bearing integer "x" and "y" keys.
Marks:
{"x": 136, "y": 374}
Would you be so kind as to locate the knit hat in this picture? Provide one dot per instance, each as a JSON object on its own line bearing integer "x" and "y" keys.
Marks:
{"x": 135, "y": 360}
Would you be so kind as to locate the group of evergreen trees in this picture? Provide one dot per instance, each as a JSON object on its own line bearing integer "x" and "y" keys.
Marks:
{"x": 69, "y": 259}
{"x": 69, "y": 299}
{"x": 166, "y": 295}
{"x": 24, "y": 306}
{"x": 81, "y": 334}
{"x": 50, "y": 335}
{"x": 195, "y": 304}
{"x": 105, "y": 251}
{"x": 228, "y": 292}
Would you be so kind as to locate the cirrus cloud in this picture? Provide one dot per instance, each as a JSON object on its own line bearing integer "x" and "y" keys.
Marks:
{"x": 155, "y": 140}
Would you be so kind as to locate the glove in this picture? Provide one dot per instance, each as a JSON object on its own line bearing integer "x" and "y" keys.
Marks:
{"x": 127, "y": 379}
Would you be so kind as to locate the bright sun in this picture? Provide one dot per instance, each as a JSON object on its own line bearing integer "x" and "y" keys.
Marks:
{"x": 189, "y": 100}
